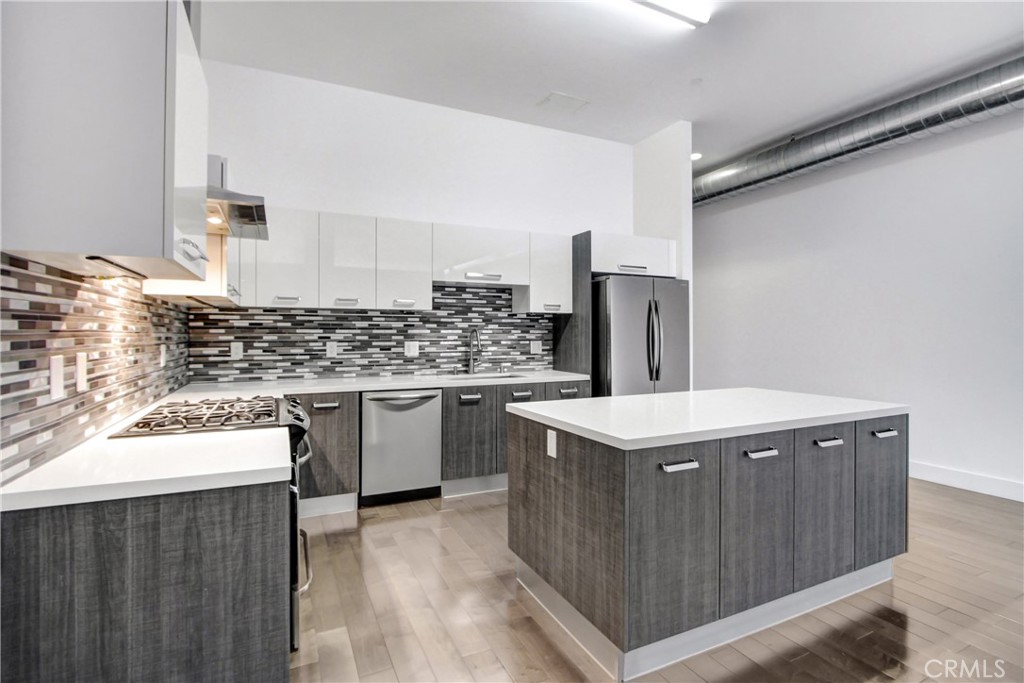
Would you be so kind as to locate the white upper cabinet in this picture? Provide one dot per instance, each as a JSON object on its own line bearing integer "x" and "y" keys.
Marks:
{"x": 550, "y": 289}
{"x": 631, "y": 255}
{"x": 468, "y": 254}
{"x": 348, "y": 261}
{"x": 104, "y": 138}
{"x": 287, "y": 265}
{"x": 404, "y": 265}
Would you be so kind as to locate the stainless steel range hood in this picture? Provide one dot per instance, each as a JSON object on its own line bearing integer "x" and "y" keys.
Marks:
{"x": 232, "y": 213}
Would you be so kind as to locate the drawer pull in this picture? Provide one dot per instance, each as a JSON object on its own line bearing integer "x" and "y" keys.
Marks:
{"x": 349, "y": 301}
{"x": 470, "y": 397}
{"x": 679, "y": 466}
{"x": 885, "y": 433}
{"x": 326, "y": 406}
{"x": 626, "y": 266}
{"x": 296, "y": 299}
{"x": 828, "y": 443}
{"x": 491, "y": 277}
{"x": 522, "y": 394}
{"x": 763, "y": 453}
{"x": 404, "y": 302}
{"x": 569, "y": 392}
{"x": 401, "y": 397}
{"x": 552, "y": 307}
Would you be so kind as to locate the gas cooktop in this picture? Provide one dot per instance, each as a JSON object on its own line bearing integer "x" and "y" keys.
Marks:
{"x": 208, "y": 415}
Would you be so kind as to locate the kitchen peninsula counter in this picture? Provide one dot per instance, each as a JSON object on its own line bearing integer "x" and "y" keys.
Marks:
{"x": 657, "y": 526}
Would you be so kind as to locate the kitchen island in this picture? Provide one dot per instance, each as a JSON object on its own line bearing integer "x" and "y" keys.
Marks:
{"x": 654, "y": 527}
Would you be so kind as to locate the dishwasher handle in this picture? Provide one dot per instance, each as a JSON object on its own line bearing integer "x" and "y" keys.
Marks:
{"x": 401, "y": 397}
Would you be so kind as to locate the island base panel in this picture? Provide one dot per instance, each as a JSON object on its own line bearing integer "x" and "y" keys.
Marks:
{"x": 593, "y": 652}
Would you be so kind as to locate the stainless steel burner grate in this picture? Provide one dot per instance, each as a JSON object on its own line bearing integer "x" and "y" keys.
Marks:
{"x": 208, "y": 415}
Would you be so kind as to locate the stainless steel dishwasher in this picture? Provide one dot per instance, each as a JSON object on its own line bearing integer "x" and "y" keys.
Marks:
{"x": 401, "y": 446}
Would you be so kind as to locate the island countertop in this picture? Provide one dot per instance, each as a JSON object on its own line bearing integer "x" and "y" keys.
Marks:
{"x": 652, "y": 420}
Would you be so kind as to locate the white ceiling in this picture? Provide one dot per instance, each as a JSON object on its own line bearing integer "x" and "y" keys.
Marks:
{"x": 757, "y": 73}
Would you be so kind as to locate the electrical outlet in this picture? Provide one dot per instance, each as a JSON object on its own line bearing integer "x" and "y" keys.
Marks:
{"x": 412, "y": 349}
{"x": 535, "y": 347}
{"x": 332, "y": 349}
{"x": 81, "y": 371}
{"x": 57, "y": 377}
{"x": 236, "y": 350}
{"x": 552, "y": 443}
{"x": 163, "y": 355}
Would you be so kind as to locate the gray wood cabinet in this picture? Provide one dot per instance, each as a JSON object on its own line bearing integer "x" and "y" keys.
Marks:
{"x": 189, "y": 586}
{"x": 823, "y": 503}
{"x": 757, "y": 520}
{"x": 881, "y": 481}
{"x": 561, "y": 390}
{"x": 334, "y": 436}
{"x": 468, "y": 431}
{"x": 673, "y": 550}
{"x": 510, "y": 393}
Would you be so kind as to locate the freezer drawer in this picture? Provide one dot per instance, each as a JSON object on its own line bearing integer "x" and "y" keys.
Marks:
{"x": 401, "y": 441}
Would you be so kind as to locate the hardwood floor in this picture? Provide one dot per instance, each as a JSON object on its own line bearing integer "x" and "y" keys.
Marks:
{"x": 426, "y": 591}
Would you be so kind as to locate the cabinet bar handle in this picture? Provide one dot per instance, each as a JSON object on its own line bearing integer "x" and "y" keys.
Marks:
{"x": 552, "y": 307}
{"x": 493, "y": 277}
{"x": 470, "y": 397}
{"x": 404, "y": 302}
{"x": 569, "y": 392}
{"x": 401, "y": 397}
{"x": 679, "y": 466}
{"x": 326, "y": 406}
{"x": 201, "y": 255}
{"x": 522, "y": 394}
{"x": 828, "y": 443}
{"x": 763, "y": 453}
{"x": 626, "y": 266}
{"x": 278, "y": 297}
{"x": 353, "y": 300}
{"x": 309, "y": 567}
{"x": 885, "y": 433}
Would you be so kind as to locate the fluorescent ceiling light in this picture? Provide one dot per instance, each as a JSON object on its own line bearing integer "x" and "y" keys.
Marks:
{"x": 692, "y": 13}
{"x": 696, "y": 156}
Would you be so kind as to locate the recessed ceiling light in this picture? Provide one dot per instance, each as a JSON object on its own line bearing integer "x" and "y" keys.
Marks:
{"x": 214, "y": 220}
{"x": 696, "y": 156}
{"x": 691, "y": 13}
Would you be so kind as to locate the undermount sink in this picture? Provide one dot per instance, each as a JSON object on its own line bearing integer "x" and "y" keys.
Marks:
{"x": 481, "y": 375}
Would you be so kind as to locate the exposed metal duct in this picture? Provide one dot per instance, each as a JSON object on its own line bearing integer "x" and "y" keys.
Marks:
{"x": 977, "y": 97}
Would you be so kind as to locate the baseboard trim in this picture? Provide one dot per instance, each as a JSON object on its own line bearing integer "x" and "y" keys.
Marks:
{"x": 969, "y": 481}
{"x": 467, "y": 487}
{"x": 327, "y": 505}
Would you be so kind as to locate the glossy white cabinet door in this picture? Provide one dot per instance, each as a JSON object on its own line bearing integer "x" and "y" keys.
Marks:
{"x": 348, "y": 261}
{"x": 287, "y": 265}
{"x": 631, "y": 255}
{"x": 246, "y": 272}
{"x": 467, "y": 254}
{"x": 191, "y": 124}
{"x": 550, "y": 289}
{"x": 404, "y": 265}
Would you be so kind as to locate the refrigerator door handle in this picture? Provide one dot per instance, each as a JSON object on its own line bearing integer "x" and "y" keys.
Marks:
{"x": 650, "y": 340}
{"x": 660, "y": 342}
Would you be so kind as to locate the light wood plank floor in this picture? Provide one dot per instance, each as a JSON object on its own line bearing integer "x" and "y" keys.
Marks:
{"x": 426, "y": 591}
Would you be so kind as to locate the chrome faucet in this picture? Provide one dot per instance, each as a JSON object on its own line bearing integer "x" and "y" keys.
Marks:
{"x": 474, "y": 333}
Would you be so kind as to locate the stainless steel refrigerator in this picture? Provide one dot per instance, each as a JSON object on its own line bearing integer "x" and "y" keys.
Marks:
{"x": 641, "y": 335}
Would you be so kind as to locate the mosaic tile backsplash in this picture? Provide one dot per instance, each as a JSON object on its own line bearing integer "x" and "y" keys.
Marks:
{"x": 291, "y": 343}
{"x": 45, "y": 311}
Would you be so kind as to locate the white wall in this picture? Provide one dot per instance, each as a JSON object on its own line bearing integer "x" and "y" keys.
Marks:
{"x": 898, "y": 277}
{"x": 307, "y": 144}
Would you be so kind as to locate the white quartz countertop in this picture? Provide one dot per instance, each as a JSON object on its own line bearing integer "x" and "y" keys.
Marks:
{"x": 650, "y": 420}
{"x": 278, "y": 388}
{"x": 109, "y": 469}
